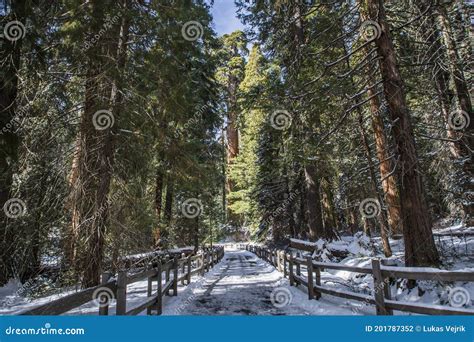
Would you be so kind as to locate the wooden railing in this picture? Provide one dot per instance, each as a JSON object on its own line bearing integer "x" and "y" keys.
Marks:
{"x": 166, "y": 274}
{"x": 290, "y": 266}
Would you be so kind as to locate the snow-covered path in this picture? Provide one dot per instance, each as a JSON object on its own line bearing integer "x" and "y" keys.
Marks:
{"x": 242, "y": 284}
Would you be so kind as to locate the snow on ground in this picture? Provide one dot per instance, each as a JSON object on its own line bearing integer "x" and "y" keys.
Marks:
{"x": 242, "y": 284}
{"x": 457, "y": 253}
{"x": 136, "y": 294}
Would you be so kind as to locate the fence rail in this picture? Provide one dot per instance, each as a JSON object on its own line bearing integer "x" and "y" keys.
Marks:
{"x": 166, "y": 274}
{"x": 290, "y": 266}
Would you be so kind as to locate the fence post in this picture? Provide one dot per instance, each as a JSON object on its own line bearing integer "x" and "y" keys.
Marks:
{"x": 159, "y": 299}
{"x": 290, "y": 265}
{"x": 104, "y": 306}
{"x": 298, "y": 269}
{"x": 121, "y": 307}
{"x": 386, "y": 287}
{"x": 183, "y": 268}
{"x": 378, "y": 288}
{"x": 175, "y": 276}
{"x": 188, "y": 275}
{"x": 278, "y": 266}
{"x": 317, "y": 270}
{"x": 285, "y": 260}
{"x": 201, "y": 261}
{"x": 167, "y": 277}
{"x": 309, "y": 266}
{"x": 149, "y": 293}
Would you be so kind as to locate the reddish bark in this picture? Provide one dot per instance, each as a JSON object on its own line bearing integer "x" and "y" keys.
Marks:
{"x": 420, "y": 249}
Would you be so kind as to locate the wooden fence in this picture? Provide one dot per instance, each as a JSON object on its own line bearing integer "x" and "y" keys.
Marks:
{"x": 166, "y": 274}
{"x": 290, "y": 266}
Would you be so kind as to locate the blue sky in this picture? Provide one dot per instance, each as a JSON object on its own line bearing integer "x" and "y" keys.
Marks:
{"x": 224, "y": 13}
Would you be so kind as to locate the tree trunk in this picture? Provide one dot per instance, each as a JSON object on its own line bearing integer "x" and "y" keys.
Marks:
{"x": 382, "y": 217}
{"x": 392, "y": 218}
{"x": 232, "y": 131}
{"x": 96, "y": 153}
{"x": 441, "y": 82}
{"x": 232, "y": 137}
{"x": 329, "y": 214}
{"x": 169, "y": 201}
{"x": 158, "y": 206}
{"x": 465, "y": 105}
{"x": 420, "y": 248}
{"x": 10, "y": 55}
{"x": 313, "y": 203}
{"x": 386, "y": 164}
{"x": 196, "y": 234}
